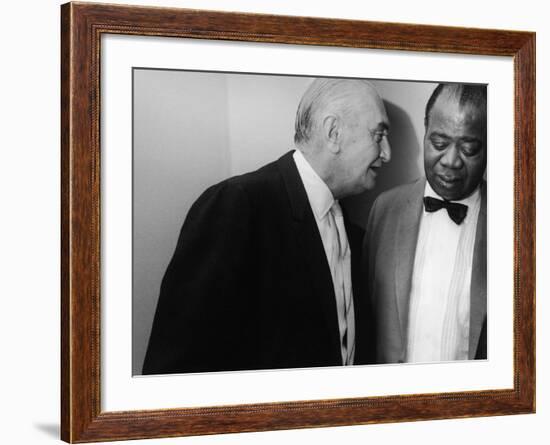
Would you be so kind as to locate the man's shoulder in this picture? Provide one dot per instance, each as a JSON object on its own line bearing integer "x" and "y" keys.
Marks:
{"x": 262, "y": 177}
{"x": 394, "y": 198}
{"x": 259, "y": 183}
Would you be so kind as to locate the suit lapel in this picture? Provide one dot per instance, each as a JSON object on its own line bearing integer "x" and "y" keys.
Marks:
{"x": 405, "y": 249}
{"x": 311, "y": 246}
{"x": 478, "y": 287}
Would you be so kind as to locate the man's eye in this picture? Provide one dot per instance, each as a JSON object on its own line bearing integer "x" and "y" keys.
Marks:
{"x": 470, "y": 148}
{"x": 439, "y": 143}
{"x": 378, "y": 136}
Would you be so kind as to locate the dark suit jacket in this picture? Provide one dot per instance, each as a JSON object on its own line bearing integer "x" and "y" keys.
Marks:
{"x": 249, "y": 286}
{"x": 389, "y": 251}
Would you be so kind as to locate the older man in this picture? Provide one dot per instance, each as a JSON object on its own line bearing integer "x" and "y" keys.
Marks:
{"x": 426, "y": 246}
{"x": 262, "y": 272}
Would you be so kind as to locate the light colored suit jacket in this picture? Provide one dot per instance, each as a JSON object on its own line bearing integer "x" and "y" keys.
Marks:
{"x": 389, "y": 252}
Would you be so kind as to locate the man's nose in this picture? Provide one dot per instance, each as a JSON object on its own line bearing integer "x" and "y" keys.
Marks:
{"x": 385, "y": 152}
{"x": 451, "y": 158}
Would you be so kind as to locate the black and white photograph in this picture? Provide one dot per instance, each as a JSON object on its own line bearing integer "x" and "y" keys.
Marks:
{"x": 276, "y": 222}
{"x": 285, "y": 222}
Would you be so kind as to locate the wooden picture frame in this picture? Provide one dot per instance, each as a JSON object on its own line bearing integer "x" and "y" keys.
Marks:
{"x": 82, "y": 25}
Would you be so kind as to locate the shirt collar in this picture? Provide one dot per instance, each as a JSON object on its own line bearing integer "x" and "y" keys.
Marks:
{"x": 319, "y": 195}
{"x": 469, "y": 201}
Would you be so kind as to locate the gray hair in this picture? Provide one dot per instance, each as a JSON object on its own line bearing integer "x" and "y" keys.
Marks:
{"x": 338, "y": 94}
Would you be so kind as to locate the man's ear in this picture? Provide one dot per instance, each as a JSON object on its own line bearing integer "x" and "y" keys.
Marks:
{"x": 332, "y": 133}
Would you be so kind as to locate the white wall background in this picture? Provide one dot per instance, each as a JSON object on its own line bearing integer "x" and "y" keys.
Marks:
{"x": 29, "y": 235}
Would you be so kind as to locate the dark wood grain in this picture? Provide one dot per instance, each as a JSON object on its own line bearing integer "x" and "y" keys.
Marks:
{"x": 81, "y": 28}
{"x": 65, "y": 215}
{"x": 525, "y": 220}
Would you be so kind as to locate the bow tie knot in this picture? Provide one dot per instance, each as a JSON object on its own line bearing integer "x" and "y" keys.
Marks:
{"x": 457, "y": 212}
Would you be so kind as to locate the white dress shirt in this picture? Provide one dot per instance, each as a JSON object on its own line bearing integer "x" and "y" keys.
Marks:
{"x": 439, "y": 310}
{"x": 329, "y": 219}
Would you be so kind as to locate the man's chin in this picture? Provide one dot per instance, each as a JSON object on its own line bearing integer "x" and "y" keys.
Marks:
{"x": 450, "y": 190}
{"x": 369, "y": 185}
{"x": 370, "y": 179}
{"x": 364, "y": 187}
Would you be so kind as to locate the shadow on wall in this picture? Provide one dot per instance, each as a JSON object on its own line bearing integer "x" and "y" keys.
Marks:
{"x": 404, "y": 165}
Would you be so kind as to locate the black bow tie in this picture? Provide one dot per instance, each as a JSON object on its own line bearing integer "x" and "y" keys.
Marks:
{"x": 457, "y": 212}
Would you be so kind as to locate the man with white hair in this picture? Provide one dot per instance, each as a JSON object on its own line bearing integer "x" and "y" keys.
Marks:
{"x": 262, "y": 273}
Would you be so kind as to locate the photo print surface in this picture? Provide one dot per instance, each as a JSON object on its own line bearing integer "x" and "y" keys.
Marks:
{"x": 297, "y": 222}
